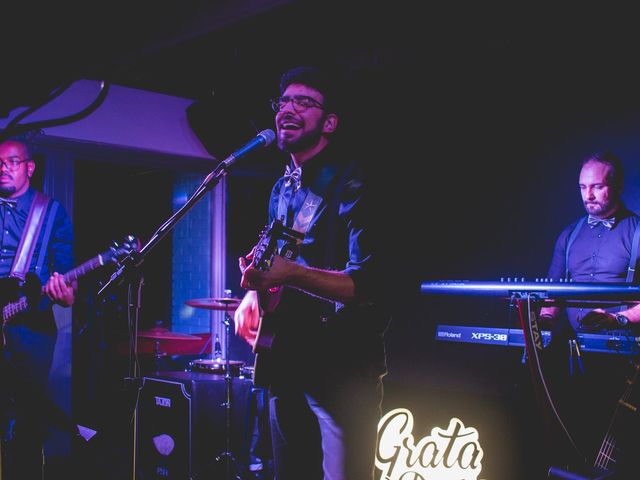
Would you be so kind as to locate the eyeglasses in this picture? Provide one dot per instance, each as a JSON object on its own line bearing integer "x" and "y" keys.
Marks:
{"x": 300, "y": 103}
{"x": 12, "y": 163}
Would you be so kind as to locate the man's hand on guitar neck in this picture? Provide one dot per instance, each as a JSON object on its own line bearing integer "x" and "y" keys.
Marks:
{"x": 59, "y": 291}
{"x": 278, "y": 274}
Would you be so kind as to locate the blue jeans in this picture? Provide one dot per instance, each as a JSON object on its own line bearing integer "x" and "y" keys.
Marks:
{"x": 27, "y": 407}
{"x": 326, "y": 433}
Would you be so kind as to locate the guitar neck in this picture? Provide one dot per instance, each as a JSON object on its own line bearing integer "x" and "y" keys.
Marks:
{"x": 83, "y": 269}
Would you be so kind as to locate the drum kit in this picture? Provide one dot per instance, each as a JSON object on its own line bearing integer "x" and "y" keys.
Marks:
{"x": 217, "y": 364}
{"x": 161, "y": 341}
{"x": 166, "y": 341}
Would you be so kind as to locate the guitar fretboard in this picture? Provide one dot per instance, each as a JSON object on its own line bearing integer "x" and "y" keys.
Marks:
{"x": 13, "y": 308}
{"x": 609, "y": 450}
{"x": 83, "y": 269}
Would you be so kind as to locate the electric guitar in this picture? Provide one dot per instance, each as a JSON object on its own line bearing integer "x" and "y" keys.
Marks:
{"x": 619, "y": 433}
{"x": 16, "y": 297}
{"x": 264, "y": 252}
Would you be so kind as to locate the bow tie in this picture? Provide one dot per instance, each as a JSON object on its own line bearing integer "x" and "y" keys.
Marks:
{"x": 607, "y": 222}
{"x": 9, "y": 202}
{"x": 293, "y": 177}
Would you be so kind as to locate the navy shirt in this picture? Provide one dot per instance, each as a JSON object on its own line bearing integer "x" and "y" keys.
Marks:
{"x": 341, "y": 236}
{"x": 58, "y": 255}
{"x": 597, "y": 254}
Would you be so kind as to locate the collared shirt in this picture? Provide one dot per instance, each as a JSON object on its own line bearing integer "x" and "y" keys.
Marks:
{"x": 341, "y": 236}
{"x": 345, "y": 219}
{"x": 59, "y": 252}
{"x": 597, "y": 254}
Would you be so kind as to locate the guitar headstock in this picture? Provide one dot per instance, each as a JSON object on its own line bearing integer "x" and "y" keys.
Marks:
{"x": 118, "y": 251}
{"x": 265, "y": 248}
{"x": 267, "y": 245}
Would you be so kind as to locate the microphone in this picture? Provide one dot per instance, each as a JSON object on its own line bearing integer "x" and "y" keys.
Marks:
{"x": 263, "y": 139}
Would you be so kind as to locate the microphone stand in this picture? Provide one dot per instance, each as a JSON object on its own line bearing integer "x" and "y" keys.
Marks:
{"x": 135, "y": 259}
{"x": 129, "y": 268}
{"x": 131, "y": 264}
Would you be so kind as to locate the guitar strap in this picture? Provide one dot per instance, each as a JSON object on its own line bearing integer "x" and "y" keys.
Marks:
{"x": 29, "y": 237}
{"x": 45, "y": 237}
{"x": 572, "y": 237}
{"x": 633, "y": 260}
{"x": 310, "y": 204}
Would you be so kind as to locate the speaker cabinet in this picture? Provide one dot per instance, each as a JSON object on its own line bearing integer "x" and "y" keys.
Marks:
{"x": 181, "y": 425}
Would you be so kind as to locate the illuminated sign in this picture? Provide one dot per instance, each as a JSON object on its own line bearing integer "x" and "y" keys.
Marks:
{"x": 450, "y": 454}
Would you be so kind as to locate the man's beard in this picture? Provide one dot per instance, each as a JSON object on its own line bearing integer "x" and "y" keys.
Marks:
{"x": 598, "y": 208}
{"x": 306, "y": 141}
{"x": 7, "y": 191}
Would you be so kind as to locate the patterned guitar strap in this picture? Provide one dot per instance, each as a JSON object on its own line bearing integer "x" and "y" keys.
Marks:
{"x": 310, "y": 204}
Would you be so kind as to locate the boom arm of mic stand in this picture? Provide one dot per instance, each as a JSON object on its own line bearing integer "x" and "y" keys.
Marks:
{"x": 134, "y": 260}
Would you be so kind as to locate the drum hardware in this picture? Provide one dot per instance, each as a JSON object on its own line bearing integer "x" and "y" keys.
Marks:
{"x": 226, "y": 305}
{"x": 216, "y": 365}
{"x": 246, "y": 371}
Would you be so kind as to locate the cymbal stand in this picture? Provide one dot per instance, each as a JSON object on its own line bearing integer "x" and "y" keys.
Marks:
{"x": 227, "y": 455}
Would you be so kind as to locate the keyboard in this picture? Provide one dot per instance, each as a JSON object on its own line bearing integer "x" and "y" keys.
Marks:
{"x": 510, "y": 288}
{"x": 514, "y": 337}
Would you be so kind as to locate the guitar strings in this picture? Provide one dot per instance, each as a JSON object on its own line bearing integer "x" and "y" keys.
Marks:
{"x": 609, "y": 442}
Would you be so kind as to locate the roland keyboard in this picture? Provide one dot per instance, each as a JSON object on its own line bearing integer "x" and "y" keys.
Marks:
{"x": 514, "y": 337}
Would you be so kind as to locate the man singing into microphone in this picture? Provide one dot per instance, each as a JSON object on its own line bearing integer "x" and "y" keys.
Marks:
{"x": 328, "y": 357}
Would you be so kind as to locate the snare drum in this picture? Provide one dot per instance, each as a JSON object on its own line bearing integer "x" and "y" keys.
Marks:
{"x": 216, "y": 365}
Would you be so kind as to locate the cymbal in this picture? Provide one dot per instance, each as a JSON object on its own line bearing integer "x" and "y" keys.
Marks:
{"x": 226, "y": 304}
{"x": 159, "y": 333}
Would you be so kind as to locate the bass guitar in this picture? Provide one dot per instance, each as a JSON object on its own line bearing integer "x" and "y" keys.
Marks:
{"x": 619, "y": 434}
{"x": 264, "y": 252}
{"x": 16, "y": 296}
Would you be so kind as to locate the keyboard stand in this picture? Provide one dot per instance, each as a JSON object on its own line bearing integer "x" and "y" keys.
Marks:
{"x": 529, "y": 304}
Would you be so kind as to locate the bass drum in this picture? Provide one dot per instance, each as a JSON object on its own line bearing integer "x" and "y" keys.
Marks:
{"x": 216, "y": 365}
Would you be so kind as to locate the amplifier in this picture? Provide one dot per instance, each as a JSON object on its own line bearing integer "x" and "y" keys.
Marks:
{"x": 181, "y": 425}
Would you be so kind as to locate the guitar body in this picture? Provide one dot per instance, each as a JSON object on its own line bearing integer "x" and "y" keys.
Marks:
{"x": 266, "y": 337}
{"x": 16, "y": 296}
{"x": 268, "y": 300}
{"x": 619, "y": 436}
{"x": 268, "y": 320}
{"x": 9, "y": 290}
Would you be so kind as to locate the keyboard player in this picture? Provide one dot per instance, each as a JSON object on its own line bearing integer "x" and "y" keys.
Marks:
{"x": 602, "y": 246}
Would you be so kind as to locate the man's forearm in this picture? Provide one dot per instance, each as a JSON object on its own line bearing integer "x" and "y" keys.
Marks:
{"x": 332, "y": 285}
